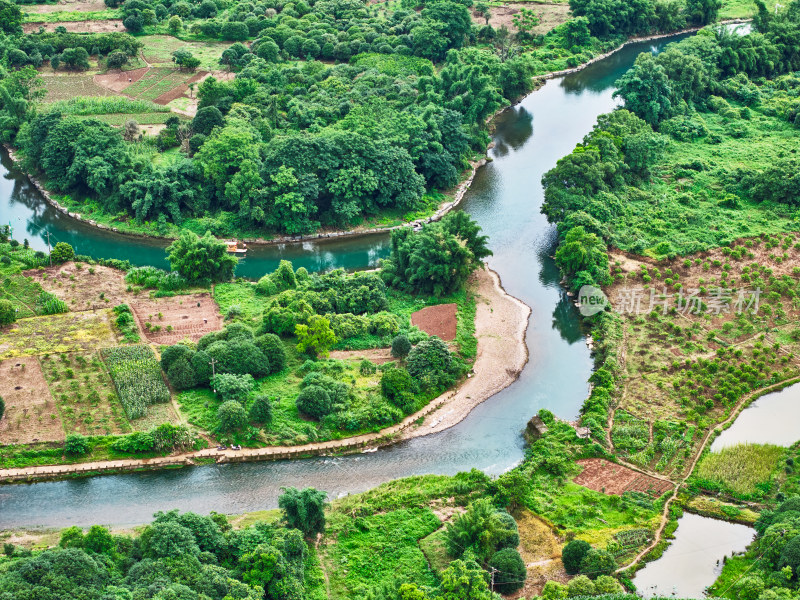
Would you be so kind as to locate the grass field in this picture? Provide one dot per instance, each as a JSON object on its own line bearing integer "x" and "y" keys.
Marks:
{"x": 741, "y": 469}
{"x": 158, "y": 51}
{"x": 70, "y": 16}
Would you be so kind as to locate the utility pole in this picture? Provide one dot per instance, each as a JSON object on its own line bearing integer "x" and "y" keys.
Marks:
{"x": 47, "y": 233}
{"x": 492, "y": 572}
{"x": 213, "y": 363}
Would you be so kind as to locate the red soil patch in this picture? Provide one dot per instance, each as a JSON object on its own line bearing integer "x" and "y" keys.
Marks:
{"x": 116, "y": 81}
{"x": 609, "y": 478}
{"x": 31, "y": 414}
{"x": 439, "y": 320}
{"x": 179, "y": 91}
{"x": 190, "y": 316}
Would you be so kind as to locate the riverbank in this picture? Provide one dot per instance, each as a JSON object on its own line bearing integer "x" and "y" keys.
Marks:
{"x": 500, "y": 325}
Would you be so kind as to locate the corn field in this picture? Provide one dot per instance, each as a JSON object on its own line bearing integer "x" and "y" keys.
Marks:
{"x": 137, "y": 376}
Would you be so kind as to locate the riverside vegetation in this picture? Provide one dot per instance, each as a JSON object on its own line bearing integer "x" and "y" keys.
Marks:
{"x": 659, "y": 196}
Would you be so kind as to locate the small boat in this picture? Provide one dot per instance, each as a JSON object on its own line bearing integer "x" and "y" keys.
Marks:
{"x": 234, "y": 248}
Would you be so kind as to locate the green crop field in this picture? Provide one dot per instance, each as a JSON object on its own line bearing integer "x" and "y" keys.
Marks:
{"x": 137, "y": 375}
{"x": 741, "y": 469}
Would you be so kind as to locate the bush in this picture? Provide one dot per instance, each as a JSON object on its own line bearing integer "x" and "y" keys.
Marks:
{"x": 431, "y": 363}
{"x": 511, "y": 572}
{"x": 790, "y": 556}
{"x": 181, "y": 374}
{"x": 76, "y": 445}
{"x": 266, "y": 287}
{"x": 572, "y": 555}
{"x": 62, "y": 252}
{"x": 172, "y": 353}
{"x": 314, "y": 401}
{"x": 233, "y": 387}
{"x": 231, "y": 416}
{"x": 239, "y": 356}
{"x": 367, "y": 367}
{"x": 273, "y": 348}
{"x": 261, "y": 410}
{"x": 8, "y": 314}
{"x": 401, "y": 346}
{"x": 117, "y": 59}
{"x": 598, "y": 562}
{"x": 2, "y": 407}
{"x": 234, "y": 31}
{"x": 201, "y": 363}
{"x": 397, "y": 386}
{"x": 303, "y": 509}
{"x": 138, "y": 441}
{"x": 581, "y": 586}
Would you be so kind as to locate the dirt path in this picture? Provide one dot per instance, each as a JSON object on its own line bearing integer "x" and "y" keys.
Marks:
{"x": 500, "y": 325}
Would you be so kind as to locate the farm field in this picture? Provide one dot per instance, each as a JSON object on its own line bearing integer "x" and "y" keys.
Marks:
{"x": 69, "y": 332}
{"x": 31, "y": 414}
{"x": 604, "y": 476}
{"x": 66, "y": 86}
{"x": 158, "y": 51}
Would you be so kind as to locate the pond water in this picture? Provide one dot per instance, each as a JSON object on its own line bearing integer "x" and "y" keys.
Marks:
{"x": 771, "y": 419}
{"x": 693, "y": 560}
{"x": 505, "y": 199}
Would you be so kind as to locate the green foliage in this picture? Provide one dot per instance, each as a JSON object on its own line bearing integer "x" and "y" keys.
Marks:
{"x": 314, "y": 401}
{"x": 398, "y": 387}
{"x": 2, "y": 407}
{"x": 432, "y": 364}
{"x": 572, "y": 555}
{"x": 8, "y": 313}
{"x": 261, "y": 409}
{"x": 598, "y": 562}
{"x": 273, "y": 348}
{"x": 741, "y": 469}
{"x": 483, "y": 529}
{"x": 62, "y": 252}
{"x": 511, "y": 571}
{"x": 126, "y": 323}
{"x": 233, "y": 387}
{"x": 401, "y": 346}
{"x": 76, "y": 445}
{"x": 200, "y": 259}
{"x": 231, "y": 416}
{"x": 303, "y": 509}
{"x": 438, "y": 259}
{"x": 315, "y": 338}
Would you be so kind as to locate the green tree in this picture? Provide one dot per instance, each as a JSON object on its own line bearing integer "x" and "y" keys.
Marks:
{"x": 185, "y": 59}
{"x": 483, "y": 529}
{"x": 168, "y": 539}
{"x": 315, "y": 338}
{"x": 62, "y": 252}
{"x": 231, "y": 416}
{"x": 304, "y": 509}
{"x": 646, "y": 89}
{"x": 583, "y": 252}
{"x": 8, "y": 314}
{"x": 398, "y": 387}
{"x": 2, "y": 407}
{"x": 431, "y": 363}
{"x": 401, "y": 346}
{"x": 234, "y": 31}
{"x": 206, "y": 119}
{"x": 525, "y": 20}
{"x": 464, "y": 580}
{"x": 10, "y": 18}
{"x": 510, "y": 571}
{"x": 230, "y": 386}
{"x": 174, "y": 25}
{"x": 200, "y": 258}
{"x": 703, "y": 12}
{"x": 76, "y": 445}
{"x": 71, "y": 537}
{"x": 99, "y": 540}
{"x": 598, "y": 562}
{"x": 572, "y": 555}
{"x": 273, "y": 348}
{"x": 314, "y": 401}
{"x": 581, "y": 586}
{"x": 261, "y": 409}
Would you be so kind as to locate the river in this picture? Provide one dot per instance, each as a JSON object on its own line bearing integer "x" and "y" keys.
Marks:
{"x": 505, "y": 198}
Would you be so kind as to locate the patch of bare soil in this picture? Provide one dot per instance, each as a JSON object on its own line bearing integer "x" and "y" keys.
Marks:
{"x": 439, "y": 320}
{"x": 84, "y": 289}
{"x": 116, "y": 80}
{"x": 174, "y": 319}
{"x": 31, "y": 414}
{"x": 67, "y": 5}
{"x": 609, "y": 478}
{"x": 550, "y": 16}
{"x": 500, "y": 324}
{"x": 78, "y": 26}
{"x": 376, "y": 355}
{"x": 181, "y": 90}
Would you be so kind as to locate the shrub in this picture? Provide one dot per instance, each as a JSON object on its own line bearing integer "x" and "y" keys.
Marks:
{"x": 397, "y": 386}
{"x": 2, "y": 407}
{"x": 431, "y": 363}
{"x": 790, "y": 556}
{"x": 116, "y": 59}
{"x": 234, "y": 31}
{"x": 231, "y": 416}
{"x": 401, "y": 346}
{"x": 367, "y": 367}
{"x": 303, "y": 509}
{"x": 261, "y": 410}
{"x": 201, "y": 364}
{"x": 317, "y": 337}
{"x": 314, "y": 401}
{"x": 581, "y": 586}
{"x": 239, "y": 356}
{"x": 135, "y": 442}
{"x": 511, "y": 572}
{"x": 181, "y": 374}
{"x": 273, "y": 348}
{"x": 572, "y": 555}
{"x": 62, "y": 252}
{"x": 76, "y": 445}
{"x": 266, "y": 287}
{"x": 233, "y": 387}
{"x": 8, "y": 314}
{"x": 598, "y": 562}
{"x": 483, "y": 529}
{"x": 173, "y": 353}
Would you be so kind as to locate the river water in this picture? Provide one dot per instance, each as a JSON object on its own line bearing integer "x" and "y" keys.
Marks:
{"x": 505, "y": 198}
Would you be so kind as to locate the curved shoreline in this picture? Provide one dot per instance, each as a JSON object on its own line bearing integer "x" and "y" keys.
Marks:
{"x": 500, "y": 325}
{"x": 443, "y": 209}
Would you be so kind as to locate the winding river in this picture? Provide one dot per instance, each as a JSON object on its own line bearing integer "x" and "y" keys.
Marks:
{"x": 505, "y": 199}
